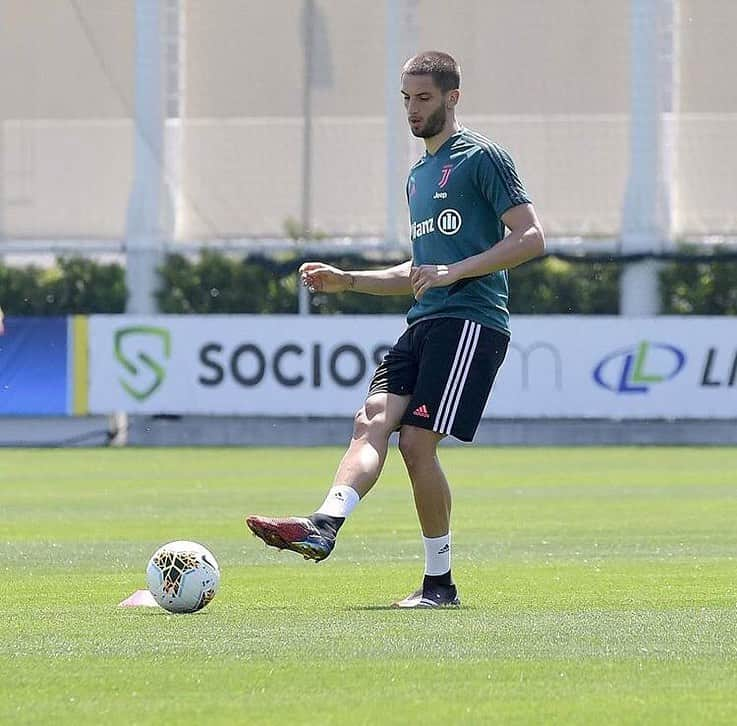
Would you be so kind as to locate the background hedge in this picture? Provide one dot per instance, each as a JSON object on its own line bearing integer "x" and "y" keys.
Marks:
{"x": 217, "y": 283}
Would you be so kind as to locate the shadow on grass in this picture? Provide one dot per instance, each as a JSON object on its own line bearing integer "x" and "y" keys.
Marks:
{"x": 370, "y": 608}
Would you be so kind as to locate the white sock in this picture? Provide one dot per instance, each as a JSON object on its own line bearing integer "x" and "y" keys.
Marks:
{"x": 437, "y": 554}
{"x": 340, "y": 501}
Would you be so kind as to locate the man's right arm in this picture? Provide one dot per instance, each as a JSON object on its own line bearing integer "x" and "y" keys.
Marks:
{"x": 319, "y": 277}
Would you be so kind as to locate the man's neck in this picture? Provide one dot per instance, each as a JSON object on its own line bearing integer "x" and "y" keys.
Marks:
{"x": 433, "y": 143}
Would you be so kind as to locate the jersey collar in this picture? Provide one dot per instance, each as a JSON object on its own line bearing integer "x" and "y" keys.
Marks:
{"x": 445, "y": 145}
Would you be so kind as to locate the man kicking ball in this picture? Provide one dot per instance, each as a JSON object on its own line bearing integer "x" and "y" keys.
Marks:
{"x": 463, "y": 195}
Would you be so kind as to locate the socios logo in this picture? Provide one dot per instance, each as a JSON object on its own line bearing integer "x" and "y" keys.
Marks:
{"x": 636, "y": 369}
{"x": 449, "y": 221}
{"x": 142, "y": 350}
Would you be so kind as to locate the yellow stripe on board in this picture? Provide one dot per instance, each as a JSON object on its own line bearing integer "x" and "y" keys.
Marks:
{"x": 81, "y": 379}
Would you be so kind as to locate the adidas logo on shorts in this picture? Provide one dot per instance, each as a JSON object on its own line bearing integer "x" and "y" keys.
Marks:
{"x": 421, "y": 411}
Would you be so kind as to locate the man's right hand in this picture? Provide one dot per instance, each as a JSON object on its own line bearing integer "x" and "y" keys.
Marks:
{"x": 319, "y": 277}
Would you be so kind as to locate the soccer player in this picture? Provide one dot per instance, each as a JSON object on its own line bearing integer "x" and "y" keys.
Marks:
{"x": 463, "y": 194}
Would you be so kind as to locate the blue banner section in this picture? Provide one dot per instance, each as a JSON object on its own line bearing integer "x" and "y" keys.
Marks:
{"x": 33, "y": 367}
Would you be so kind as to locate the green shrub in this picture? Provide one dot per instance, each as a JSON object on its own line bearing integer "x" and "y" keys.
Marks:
{"x": 218, "y": 283}
{"x": 74, "y": 286}
{"x": 702, "y": 288}
{"x": 553, "y": 286}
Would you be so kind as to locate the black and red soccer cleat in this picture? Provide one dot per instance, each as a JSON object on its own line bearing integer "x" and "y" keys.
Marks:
{"x": 297, "y": 534}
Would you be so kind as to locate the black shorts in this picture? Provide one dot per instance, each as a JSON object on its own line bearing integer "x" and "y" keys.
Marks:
{"x": 448, "y": 366}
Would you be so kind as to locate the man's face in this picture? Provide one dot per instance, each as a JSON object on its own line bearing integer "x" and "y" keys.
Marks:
{"x": 425, "y": 104}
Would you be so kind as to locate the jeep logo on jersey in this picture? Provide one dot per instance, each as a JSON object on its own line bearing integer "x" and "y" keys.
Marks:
{"x": 449, "y": 221}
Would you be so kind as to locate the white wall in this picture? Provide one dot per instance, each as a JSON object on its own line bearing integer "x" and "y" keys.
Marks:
{"x": 546, "y": 79}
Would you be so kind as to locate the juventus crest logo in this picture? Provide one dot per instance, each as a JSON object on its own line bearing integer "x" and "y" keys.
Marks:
{"x": 445, "y": 175}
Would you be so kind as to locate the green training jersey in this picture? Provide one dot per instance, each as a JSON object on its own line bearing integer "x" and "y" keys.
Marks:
{"x": 457, "y": 197}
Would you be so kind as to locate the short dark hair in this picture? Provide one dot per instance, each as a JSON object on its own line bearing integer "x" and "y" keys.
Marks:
{"x": 445, "y": 71}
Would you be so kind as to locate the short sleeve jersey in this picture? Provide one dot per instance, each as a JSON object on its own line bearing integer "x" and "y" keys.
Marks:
{"x": 457, "y": 197}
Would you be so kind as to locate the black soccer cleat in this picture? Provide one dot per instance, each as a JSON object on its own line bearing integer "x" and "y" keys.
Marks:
{"x": 297, "y": 534}
{"x": 431, "y": 595}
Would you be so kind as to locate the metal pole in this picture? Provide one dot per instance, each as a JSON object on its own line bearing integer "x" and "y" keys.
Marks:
{"x": 392, "y": 61}
{"x": 412, "y": 148}
{"x": 175, "y": 95}
{"x": 144, "y": 218}
{"x": 647, "y": 223}
{"x": 306, "y": 218}
{"x": 669, "y": 72}
{"x": 2, "y": 179}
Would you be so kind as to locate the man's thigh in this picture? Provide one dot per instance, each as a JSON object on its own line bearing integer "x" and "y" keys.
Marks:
{"x": 386, "y": 409}
{"x": 458, "y": 362}
{"x": 397, "y": 372}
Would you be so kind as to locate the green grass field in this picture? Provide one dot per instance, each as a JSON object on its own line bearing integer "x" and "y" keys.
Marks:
{"x": 599, "y": 586}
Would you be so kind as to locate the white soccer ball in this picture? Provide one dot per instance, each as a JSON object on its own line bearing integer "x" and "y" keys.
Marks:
{"x": 183, "y": 576}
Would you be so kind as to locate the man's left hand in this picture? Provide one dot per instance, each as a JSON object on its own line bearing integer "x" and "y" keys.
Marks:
{"x": 426, "y": 276}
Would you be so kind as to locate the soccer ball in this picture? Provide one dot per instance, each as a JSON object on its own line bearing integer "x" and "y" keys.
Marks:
{"x": 183, "y": 576}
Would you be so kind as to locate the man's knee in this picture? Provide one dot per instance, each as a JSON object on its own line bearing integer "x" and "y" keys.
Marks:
{"x": 371, "y": 416}
{"x": 417, "y": 445}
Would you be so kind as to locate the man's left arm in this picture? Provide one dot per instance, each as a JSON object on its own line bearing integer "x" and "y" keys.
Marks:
{"x": 525, "y": 241}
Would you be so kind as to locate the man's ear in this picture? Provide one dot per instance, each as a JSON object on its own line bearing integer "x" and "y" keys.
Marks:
{"x": 452, "y": 100}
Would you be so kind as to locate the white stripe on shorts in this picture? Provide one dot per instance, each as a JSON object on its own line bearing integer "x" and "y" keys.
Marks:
{"x": 474, "y": 342}
{"x": 459, "y": 349}
{"x": 456, "y": 380}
